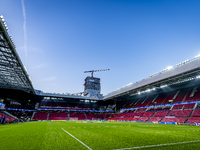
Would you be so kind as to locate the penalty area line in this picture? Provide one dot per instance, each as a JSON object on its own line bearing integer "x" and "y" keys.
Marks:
{"x": 159, "y": 145}
{"x": 76, "y": 139}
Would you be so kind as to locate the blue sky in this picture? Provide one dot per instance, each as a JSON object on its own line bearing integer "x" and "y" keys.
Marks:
{"x": 133, "y": 38}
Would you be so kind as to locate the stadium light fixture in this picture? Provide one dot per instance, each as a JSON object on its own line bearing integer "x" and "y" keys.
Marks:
{"x": 1, "y": 16}
{"x": 169, "y": 67}
{"x": 162, "y": 86}
{"x": 197, "y": 77}
{"x": 197, "y": 56}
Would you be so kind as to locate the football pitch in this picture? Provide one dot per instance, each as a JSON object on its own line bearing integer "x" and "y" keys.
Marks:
{"x": 75, "y": 135}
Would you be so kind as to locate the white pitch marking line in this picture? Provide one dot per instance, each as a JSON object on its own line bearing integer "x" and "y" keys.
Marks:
{"x": 159, "y": 145}
{"x": 76, "y": 139}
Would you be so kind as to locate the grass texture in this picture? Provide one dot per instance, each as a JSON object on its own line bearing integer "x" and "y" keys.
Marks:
{"x": 50, "y": 135}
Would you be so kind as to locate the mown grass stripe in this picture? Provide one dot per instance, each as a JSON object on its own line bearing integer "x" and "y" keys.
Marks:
{"x": 77, "y": 139}
{"x": 159, "y": 145}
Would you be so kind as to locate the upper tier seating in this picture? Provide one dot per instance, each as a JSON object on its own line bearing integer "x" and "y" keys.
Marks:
{"x": 144, "y": 101}
{"x": 178, "y": 106}
{"x": 130, "y": 104}
{"x": 193, "y": 90}
{"x": 169, "y": 97}
{"x": 141, "y": 110}
{"x": 160, "y": 108}
{"x": 189, "y": 106}
{"x": 160, "y": 98}
{"x": 180, "y": 96}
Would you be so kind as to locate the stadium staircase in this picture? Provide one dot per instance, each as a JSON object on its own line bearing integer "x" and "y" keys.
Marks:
{"x": 36, "y": 106}
{"x": 191, "y": 113}
{"x": 86, "y": 116}
{"x": 32, "y": 115}
{"x": 7, "y": 113}
{"x": 48, "y": 116}
{"x": 186, "y": 95}
{"x": 68, "y": 116}
{"x": 165, "y": 98}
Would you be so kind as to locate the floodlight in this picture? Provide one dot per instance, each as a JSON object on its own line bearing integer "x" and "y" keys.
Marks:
{"x": 198, "y": 77}
{"x": 197, "y": 56}
{"x": 1, "y": 16}
{"x": 169, "y": 67}
{"x": 162, "y": 86}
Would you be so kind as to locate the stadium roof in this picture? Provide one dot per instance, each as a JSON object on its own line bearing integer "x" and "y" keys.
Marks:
{"x": 182, "y": 72}
{"x": 71, "y": 96}
{"x": 13, "y": 74}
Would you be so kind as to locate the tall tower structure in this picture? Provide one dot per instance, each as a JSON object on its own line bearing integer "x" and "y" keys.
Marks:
{"x": 92, "y": 85}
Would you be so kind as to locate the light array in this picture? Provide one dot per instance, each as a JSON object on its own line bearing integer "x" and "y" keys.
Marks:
{"x": 167, "y": 69}
{"x": 6, "y": 28}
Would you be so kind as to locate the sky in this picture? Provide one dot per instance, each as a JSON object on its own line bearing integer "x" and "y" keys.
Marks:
{"x": 57, "y": 40}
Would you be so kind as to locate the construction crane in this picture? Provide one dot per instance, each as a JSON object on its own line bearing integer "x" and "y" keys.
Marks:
{"x": 92, "y": 71}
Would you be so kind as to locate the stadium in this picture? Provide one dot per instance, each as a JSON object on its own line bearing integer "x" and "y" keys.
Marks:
{"x": 161, "y": 111}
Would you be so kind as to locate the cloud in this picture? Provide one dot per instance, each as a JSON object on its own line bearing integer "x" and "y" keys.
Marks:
{"x": 39, "y": 66}
{"x": 24, "y": 27}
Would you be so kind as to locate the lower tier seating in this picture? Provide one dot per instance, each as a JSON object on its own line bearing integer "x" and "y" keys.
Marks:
{"x": 174, "y": 119}
{"x": 9, "y": 119}
{"x": 196, "y": 113}
{"x": 180, "y": 113}
{"x": 194, "y": 120}
{"x": 58, "y": 116}
{"x": 40, "y": 116}
{"x": 155, "y": 119}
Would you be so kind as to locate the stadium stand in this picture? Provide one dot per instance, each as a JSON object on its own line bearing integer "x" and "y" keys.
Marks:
{"x": 193, "y": 95}
{"x": 91, "y": 116}
{"x": 58, "y": 116}
{"x": 155, "y": 119}
{"x": 180, "y": 113}
{"x": 194, "y": 120}
{"x": 9, "y": 119}
{"x": 161, "y": 113}
{"x": 174, "y": 119}
{"x": 178, "y": 106}
{"x": 40, "y": 116}
{"x": 148, "y": 114}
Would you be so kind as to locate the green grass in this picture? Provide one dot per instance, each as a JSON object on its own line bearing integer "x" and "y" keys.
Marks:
{"x": 48, "y": 135}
